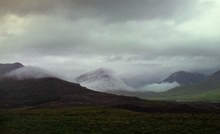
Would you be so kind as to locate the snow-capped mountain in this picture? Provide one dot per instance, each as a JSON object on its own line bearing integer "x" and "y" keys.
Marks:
{"x": 102, "y": 80}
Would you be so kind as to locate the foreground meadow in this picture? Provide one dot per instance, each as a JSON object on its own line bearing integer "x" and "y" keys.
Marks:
{"x": 104, "y": 120}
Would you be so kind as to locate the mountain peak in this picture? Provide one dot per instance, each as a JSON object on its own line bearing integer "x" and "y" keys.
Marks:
{"x": 5, "y": 68}
{"x": 12, "y": 64}
{"x": 216, "y": 74}
{"x": 102, "y": 71}
{"x": 185, "y": 78}
{"x": 182, "y": 73}
{"x": 102, "y": 80}
{"x": 94, "y": 75}
{"x": 18, "y": 64}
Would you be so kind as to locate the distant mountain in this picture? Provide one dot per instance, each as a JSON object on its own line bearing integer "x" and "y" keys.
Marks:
{"x": 5, "y": 68}
{"x": 102, "y": 80}
{"x": 216, "y": 75}
{"x": 184, "y": 78}
{"x": 208, "y": 89}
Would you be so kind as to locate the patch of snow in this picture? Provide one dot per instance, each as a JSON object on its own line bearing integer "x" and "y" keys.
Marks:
{"x": 103, "y": 80}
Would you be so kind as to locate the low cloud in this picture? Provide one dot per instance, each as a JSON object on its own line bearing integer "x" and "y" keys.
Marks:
{"x": 29, "y": 73}
{"x": 162, "y": 87}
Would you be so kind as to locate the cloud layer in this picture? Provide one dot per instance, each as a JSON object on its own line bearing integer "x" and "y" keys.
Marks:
{"x": 114, "y": 10}
{"x": 28, "y": 73}
{"x": 141, "y": 40}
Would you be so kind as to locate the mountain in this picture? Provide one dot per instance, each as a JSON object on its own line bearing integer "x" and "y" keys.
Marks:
{"x": 208, "y": 89}
{"x": 184, "y": 78}
{"x": 102, "y": 80}
{"x": 53, "y": 92}
{"x": 56, "y": 93}
{"x": 5, "y": 68}
{"x": 32, "y": 86}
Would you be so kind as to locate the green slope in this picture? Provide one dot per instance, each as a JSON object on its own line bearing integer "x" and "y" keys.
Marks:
{"x": 213, "y": 95}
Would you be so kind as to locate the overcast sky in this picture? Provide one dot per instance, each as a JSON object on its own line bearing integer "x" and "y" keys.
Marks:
{"x": 142, "y": 40}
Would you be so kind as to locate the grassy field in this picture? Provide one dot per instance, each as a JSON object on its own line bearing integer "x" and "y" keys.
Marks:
{"x": 212, "y": 95}
{"x": 104, "y": 120}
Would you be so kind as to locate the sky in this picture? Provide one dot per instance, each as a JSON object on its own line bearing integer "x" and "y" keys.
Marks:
{"x": 140, "y": 40}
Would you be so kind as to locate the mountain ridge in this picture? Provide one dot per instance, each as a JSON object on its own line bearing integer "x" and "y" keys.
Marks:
{"x": 54, "y": 92}
{"x": 197, "y": 91}
{"x": 5, "y": 68}
{"x": 184, "y": 78}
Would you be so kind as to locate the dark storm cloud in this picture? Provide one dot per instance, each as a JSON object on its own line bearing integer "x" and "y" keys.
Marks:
{"x": 137, "y": 9}
{"x": 113, "y": 10}
{"x": 142, "y": 40}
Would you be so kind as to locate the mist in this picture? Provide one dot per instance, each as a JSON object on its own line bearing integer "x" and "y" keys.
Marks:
{"x": 162, "y": 87}
{"x": 29, "y": 72}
